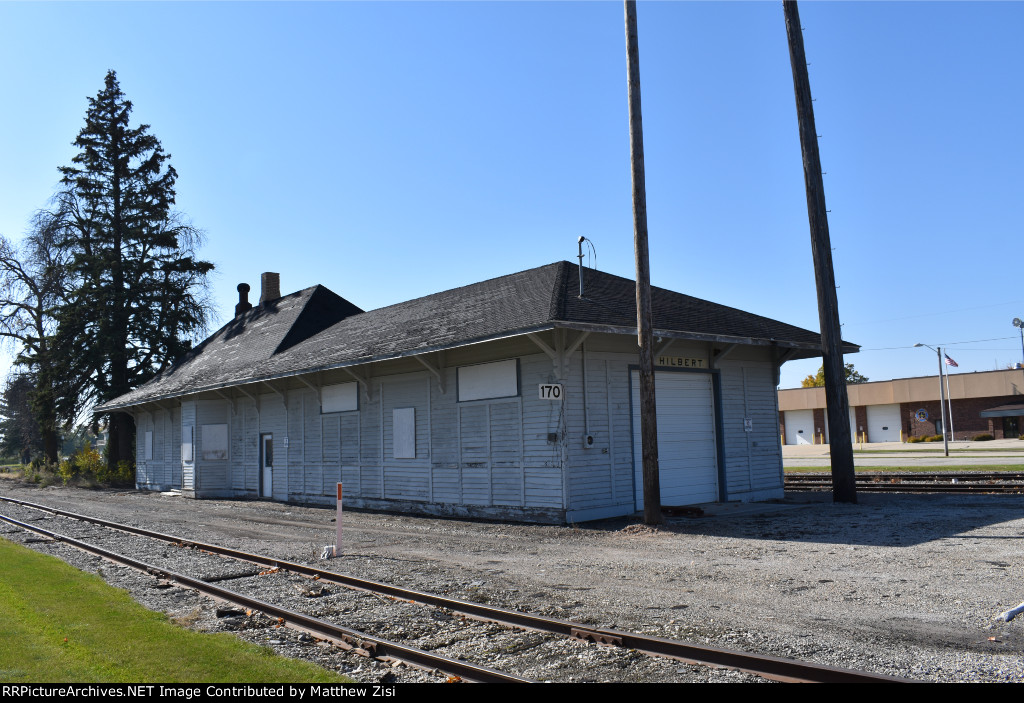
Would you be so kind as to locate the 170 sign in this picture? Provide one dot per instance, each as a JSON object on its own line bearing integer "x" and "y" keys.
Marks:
{"x": 551, "y": 391}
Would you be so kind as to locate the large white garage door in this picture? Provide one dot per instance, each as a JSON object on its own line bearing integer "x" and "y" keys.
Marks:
{"x": 884, "y": 423}
{"x": 687, "y": 454}
{"x": 800, "y": 427}
{"x": 853, "y": 427}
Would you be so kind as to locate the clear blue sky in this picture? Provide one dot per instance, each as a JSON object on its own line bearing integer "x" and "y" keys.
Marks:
{"x": 391, "y": 150}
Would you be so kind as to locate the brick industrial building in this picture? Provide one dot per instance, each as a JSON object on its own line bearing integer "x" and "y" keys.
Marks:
{"x": 987, "y": 402}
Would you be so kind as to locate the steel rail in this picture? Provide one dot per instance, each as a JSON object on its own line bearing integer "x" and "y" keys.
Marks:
{"x": 776, "y": 668}
{"x": 359, "y": 642}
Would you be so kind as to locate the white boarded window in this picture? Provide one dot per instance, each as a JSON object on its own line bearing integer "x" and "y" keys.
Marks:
{"x": 148, "y": 452}
{"x": 498, "y": 379}
{"x": 340, "y": 398}
{"x": 215, "y": 442}
{"x": 186, "y": 443}
{"x": 404, "y": 433}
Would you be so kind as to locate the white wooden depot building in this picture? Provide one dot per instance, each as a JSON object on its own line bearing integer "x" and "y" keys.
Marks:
{"x": 513, "y": 398}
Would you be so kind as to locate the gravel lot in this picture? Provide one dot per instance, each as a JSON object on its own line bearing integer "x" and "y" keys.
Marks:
{"x": 903, "y": 585}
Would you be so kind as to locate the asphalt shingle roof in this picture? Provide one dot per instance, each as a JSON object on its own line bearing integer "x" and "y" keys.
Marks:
{"x": 315, "y": 328}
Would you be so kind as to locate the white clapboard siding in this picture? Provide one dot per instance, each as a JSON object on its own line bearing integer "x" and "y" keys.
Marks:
{"x": 370, "y": 445}
{"x": 212, "y": 474}
{"x": 296, "y": 446}
{"x": 312, "y": 469}
{"x": 542, "y": 459}
{"x": 330, "y": 451}
{"x": 175, "y": 447}
{"x": 272, "y": 421}
{"x": 406, "y": 478}
{"x": 236, "y": 443}
{"x": 753, "y": 459}
{"x": 348, "y": 429}
{"x": 250, "y": 457}
{"x": 505, "y": 426}
{"x": 446, "y": 483}
{"x": 474, "y": 453}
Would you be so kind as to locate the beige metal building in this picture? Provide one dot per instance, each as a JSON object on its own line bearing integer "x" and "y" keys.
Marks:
{"x": 986, "y": 402}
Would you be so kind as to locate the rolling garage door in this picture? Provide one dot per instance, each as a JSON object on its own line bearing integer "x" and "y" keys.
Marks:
{"x": 853, "y": 427}
{"x": 687, "y": 450}
{"x": 800, "y": 427}
{"x": 884, "y": 423}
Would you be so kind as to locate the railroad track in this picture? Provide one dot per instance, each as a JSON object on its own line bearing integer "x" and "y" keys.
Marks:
{"x": 369, "y": 645}
{"x": 912, "y": 482}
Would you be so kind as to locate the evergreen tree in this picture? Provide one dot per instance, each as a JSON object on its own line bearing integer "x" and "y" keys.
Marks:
{"x": 19, "y": 431}
{"x": 139, "y": 292}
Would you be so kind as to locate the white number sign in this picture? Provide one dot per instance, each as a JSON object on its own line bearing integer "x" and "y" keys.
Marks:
{"x": 551, "y": 391}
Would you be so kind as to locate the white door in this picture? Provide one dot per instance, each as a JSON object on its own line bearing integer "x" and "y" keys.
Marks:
{"x": 884, "y": 423}
{"x": 854, "y": 436}
{"x": 266, "y": 465}
{"x": 687, "y": 450}
{"x": 800, "y": 427}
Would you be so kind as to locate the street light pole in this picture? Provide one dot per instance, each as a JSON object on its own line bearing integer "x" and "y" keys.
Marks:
{"x": 1018, "y": 323}
{"x": 942, "y": 397}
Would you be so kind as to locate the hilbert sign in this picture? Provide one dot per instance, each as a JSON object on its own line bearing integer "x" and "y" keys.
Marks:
{"x": 684, "y": 362}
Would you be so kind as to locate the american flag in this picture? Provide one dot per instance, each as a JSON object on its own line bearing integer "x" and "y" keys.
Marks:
{"x": 950, "y": 362}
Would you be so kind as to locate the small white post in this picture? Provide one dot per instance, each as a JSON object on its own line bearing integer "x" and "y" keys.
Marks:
{"x": 334, "y": 550}
{"x": 337, "y": 541}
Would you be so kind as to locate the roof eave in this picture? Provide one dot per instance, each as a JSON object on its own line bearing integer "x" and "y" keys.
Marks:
{"x": 802, "y": 349}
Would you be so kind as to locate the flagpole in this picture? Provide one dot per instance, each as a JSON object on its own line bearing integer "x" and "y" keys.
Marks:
{"x": 942, "y": 405}
{"x": 942, "y": 396}
{"x": 949, "y": 400}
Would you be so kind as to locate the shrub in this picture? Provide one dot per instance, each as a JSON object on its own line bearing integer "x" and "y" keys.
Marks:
{"x": 914, "y": 440}
{"x": 933, "y": 438}
{"x": 982, "y": 437}
{"x": 86, "y": 465}
{"x": 122, "y": 475}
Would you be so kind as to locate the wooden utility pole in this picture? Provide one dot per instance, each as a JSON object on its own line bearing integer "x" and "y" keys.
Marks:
{"x": 844, "y": 488}
{"x": 645, "y": 336}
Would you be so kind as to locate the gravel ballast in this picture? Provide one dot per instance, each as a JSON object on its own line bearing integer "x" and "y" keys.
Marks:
{"x": 904, "y": 585}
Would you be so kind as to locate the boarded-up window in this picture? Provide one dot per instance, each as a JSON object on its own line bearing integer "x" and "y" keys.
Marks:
{"x": 339, "y": 398}
{"x": 148, "y": 455}
{"x": 498, "y": 379}
{"x": 215, "y": 442}
{"x": 404, "y": 446}
{"x": 186, "y": 444}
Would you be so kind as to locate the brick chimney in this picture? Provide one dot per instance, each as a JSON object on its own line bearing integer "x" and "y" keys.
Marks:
{"x": 243, "y": 305}
{"x": 270, "y": 287}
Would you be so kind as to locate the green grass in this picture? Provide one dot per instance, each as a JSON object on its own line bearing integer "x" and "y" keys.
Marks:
{"x": 910, "y": 469}
{"x": 62, "y": 625}
{"x": 931, "y": 448}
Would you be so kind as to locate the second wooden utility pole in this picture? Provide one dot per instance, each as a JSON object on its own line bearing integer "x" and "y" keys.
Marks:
{"x": 644, "y": 326}
{"x": 844, "y": 489}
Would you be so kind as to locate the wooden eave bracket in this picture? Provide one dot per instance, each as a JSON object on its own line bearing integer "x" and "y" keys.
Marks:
{"x": 561, "y": 354}
{"x": 226, "y": 397}
{"x": 781, "y": 359}
{"x": 438, "y": 370}
{"x": 721, "y": 355}
{"x": 269, "y": 385}
{"x": 543, "y": 346}
{"x": 364, "y": 383}
{"x": 315, "y": 388}
{"x": 250, "y": 396}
